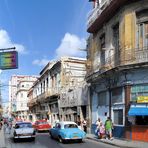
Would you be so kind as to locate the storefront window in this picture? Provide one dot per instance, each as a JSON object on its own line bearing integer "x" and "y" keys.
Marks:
{"x": 141, "y": 120}
{"x": 118, "y": 117}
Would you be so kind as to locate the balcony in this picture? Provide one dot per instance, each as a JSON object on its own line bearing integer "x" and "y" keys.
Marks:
{"x": 48, "y": 94}
{"x": 43, "y": 96}
{"x": 125, "y": 59}
{"x": 31, "y": 102}
{"x": 101, "y": 14}
{"x": 55, "y": 91}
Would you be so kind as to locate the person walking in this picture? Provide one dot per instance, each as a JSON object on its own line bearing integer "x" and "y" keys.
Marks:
{"x": 84, "y": 123}
{"x": 108, "y": 128}
{"x": 98, "y": 122}
{"x": 101, "y": 133}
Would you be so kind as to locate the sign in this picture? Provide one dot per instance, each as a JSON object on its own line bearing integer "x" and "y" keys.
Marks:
{"x": 8, "y": 60}
{"x": 142, "y": 99}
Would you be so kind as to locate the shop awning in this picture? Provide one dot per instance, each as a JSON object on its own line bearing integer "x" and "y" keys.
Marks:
{"x": 138, "y": 111}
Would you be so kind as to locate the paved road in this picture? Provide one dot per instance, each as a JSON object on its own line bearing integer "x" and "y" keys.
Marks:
{"x": 43, "y": 140}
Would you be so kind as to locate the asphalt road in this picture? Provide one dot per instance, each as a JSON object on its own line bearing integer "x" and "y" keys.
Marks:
{"x": 43, "y": 140}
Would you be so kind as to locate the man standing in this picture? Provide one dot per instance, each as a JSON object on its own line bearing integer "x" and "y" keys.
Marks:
{"x": 108, "y": 128}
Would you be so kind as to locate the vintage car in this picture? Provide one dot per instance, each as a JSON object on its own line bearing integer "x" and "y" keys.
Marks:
{"x": 41, "y": 125}
{"x": 67, "y": 130}
{"x": 23, "y": 130}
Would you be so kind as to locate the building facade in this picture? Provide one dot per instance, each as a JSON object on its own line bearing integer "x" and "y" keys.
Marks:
{"x": 18, "y": 88}
{"x": 57, "y": 79}
{"x": 117, "y": 66}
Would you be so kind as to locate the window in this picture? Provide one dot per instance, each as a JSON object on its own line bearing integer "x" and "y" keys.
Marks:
{"x": 21, "y": 104}
{"x": 58, "y": 125}
{"x": 142, "y": 35}
{"x": 102, "y": 54}
{"x": 142, "y": 29}
{"x": 21, "y": 95}
{"x": 118, "y": 117}
{"x": 102, "y": 99}
{"x": 116, "y": 42}
{"x": 46, "y": 83}
{"x": 117, "y": 95}
{"x": 70, "y": 126}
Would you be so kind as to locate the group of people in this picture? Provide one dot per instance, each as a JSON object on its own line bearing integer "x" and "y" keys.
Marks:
{"x": 104, "y": 130}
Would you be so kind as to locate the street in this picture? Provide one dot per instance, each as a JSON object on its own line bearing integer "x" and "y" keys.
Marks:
{"x": 43, "y": 140}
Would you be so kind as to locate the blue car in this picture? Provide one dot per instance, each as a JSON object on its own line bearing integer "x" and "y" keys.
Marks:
{"x": 67, "y": 130}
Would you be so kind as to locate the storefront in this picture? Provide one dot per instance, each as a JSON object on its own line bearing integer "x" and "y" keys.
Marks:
{"x": 138, "y": 112}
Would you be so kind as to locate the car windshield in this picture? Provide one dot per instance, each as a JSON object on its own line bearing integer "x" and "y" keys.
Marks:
{"x": 70, "y": 126}
{"x": 24, "y": 125}
{"x": 44, "y": 122}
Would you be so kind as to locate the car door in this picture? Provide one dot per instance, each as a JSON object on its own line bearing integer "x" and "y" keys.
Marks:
{"x": 57, "y": 130}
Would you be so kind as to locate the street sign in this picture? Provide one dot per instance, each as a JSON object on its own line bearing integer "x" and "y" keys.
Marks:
{"x": 8, "y": 60}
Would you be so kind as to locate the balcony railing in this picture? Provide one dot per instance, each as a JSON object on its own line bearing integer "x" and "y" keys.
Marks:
{"x": 94, "y": 14}
{"x": 48, "y": 93}
{"x": 102, "y": 13}
{"x": 130, "y": 57}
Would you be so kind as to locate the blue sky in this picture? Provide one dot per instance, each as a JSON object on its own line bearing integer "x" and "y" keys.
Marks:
{"x": 41, "y": 30}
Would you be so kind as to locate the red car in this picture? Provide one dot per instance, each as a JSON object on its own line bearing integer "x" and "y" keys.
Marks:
{"x": 41, "y": 125}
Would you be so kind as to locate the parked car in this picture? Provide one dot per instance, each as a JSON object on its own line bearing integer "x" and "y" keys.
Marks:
{"x": 23, "y": 130}
{"x": 67, "y": 130}
{"x": 41, "y": 125}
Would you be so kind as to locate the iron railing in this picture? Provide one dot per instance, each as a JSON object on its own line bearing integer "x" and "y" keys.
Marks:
{"x": 127, "y": 57}
{"x": 123, "y": 58}
{"x": 94, "y": 14}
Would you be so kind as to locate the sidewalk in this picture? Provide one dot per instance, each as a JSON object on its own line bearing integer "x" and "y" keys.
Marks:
{"x": 119, "y": 142}
{"x": 2, "y": 138}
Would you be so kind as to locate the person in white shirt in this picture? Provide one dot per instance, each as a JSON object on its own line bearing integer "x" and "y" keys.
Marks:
{"x": 84, "y": 123}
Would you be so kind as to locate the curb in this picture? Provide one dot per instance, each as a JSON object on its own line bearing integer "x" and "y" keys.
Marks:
{"x": 106, "y": 142}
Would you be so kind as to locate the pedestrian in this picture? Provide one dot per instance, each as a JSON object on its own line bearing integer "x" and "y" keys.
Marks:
{"x": 98, "y": 122}
{"x": 79, "y": 122}
{"x": 101, "y": 132}
{"x": 9, "y": 127}
{"x": 84, "y": 123}
{"x": 109, "y": 128}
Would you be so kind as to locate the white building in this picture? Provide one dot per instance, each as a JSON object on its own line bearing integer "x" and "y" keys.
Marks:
{"x": 18, "y": 87}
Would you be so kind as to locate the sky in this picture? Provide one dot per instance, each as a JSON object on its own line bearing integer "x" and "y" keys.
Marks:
{"x": 41, "y": 30}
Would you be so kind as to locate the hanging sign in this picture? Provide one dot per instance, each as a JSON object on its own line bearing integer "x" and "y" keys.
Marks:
{"x": 8, "y": 60}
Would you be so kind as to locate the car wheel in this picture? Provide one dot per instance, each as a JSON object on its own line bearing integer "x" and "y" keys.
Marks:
{"x": 60, "y": 139}
{"x": 51, "y": 135}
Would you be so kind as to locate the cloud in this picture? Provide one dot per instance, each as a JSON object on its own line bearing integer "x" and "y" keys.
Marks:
{"x": 41, "y": 62}
{"x": 70, "y": 46}
{"x": 5, "y": 42}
